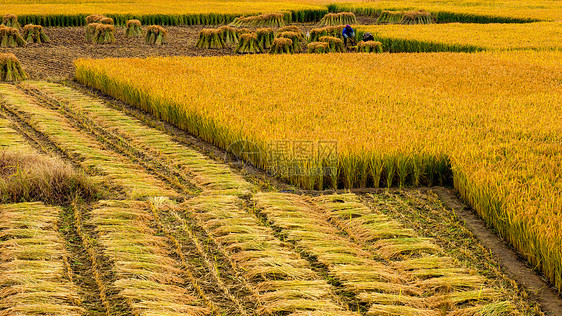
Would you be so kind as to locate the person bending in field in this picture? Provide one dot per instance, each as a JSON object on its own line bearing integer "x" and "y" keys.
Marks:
{"x": 348, "y": 33}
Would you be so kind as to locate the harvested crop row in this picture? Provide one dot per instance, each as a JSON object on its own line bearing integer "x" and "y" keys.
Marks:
{"x": 35, "y": 275}
{"x": 105, "y": 165}
{"x": 11, "y": 140}
{"x": 202, "y": 171}
{"x": 146, "y": 274}
{"x": 284, "y": 282}
{"x": 446, "y": 284}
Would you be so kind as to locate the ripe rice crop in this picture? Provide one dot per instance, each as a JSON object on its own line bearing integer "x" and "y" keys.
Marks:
{"x": 11, "y": 37}
{"x": 262, "y": 20}
{"x": 210, "y": 38}
{"x": 248, "y": 43}
{"x": 332, "y": 19}
{"x": 282, "y": 45}
{"x": 463, "y": 130}
{"x": 10, "y": 68}
{"x": 133, "y": 29}
{"x": 34, "y": 34}
{"x": 453, "y": 36}
{"x": 11, "y": 20}
{"x": 155, "y": 34}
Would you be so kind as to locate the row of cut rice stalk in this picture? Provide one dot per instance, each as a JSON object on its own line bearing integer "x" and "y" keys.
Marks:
{"x": 36, "y": 277}
{"x": 284, "y": 283}
{"x": 66, "y": 20}
{"x": 11, "y": 139}
{"x": 146, "y": 275}
{"x": 405, "y": 17}
{"x": 446, "y": 284}
{"x": 205, "y": 173}
{"x": 107, "y": 168}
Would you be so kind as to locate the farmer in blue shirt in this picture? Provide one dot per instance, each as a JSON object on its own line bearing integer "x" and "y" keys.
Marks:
{"x": 348, "y": 33}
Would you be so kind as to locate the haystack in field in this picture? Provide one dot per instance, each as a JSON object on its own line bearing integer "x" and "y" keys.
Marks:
{"x": 94, "y": 18}
{"x": 265, "y": 37}
{"x": 390, "y": 17}
{"x": 11, "y": 37}
{"x": 229, "y": 35}
{"x": 417, "y": 17}
{"x": 108, "y": 21}
{"x": 262, "y": 20}
{"x": 318, "y": 47}
{"x": 102, "y": 33}
{"x": 295, "y": 37}
{"x": 34, "y": 34}
{"x": 11, "y": 20}
{"x": 133, "y": 28}
{"x": 369, "y": 47}
{"x": 10, "y": 68}
{"x": 210, "y": 38}
{"x": 248, "y": 43}
{"x": 344, "y": 18}
{"x": 155, "y": 34}
{"x": 335, "y": 45}
{"x": 282, "y": 45}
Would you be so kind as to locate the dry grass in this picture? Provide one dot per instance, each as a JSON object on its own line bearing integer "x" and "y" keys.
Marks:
{"x": 34, "y": 263}
{"x": 32, "y": 177}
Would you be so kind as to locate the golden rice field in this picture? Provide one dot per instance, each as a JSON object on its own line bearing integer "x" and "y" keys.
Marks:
{"x": 508, "y": 36}
{"x": 489, "y": 123}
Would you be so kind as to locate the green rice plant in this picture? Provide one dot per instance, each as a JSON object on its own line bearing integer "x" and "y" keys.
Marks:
{"x": 340, "y": 18}
{"x": 34, "y": 34}
{"x": 155, "y": 35}
{"x": 282, "y": 46}
{"x": 390, "y": 17}
{"x": 335, "y": 45}
{"x": 369, "y": 47}
{"x": 262, "y": 20}
{"x": 10, "y": 68}
{"x": 133, "y": 28}
{"x": 11, "y": 37}
{"x": 265, "y": 37}
{"x": 94, "y": 18}
{"x": 229, "y": 35}
{"x": 103, "y": 34}
{"x": 248, "y": 44}
{"x": 417, "y": 17}
{"x": 295, "y": 38}
{"x": 11, "y": 20}
{"x": 210, "y": 38}
{"x": 318, "y": 47}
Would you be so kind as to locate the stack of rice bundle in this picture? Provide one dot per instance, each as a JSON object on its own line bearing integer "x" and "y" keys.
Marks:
{"x": 229, "y": 35}
{"x": 369, "y": 47}
{"x": 335, "y": 45}
{"x": 282, "y": 45}
{"x": 390, "y": 17}
{"x": 248, "y": 43}
{"x": 10, "y": 37}
{"x": 103, "y": 34}
{"x": 94, "y": 18}
{"x": 155, "y": 34}
{"x": 318, "y": 47}
{"x": 106, "y": 20}
{"x": 262, "y": 20}
{"x": 133, "y": 28}
{"x": 10, "y": 68}
{"x": 34, "y": 34}
{"x": 338, "y": 19}
{"x": 265, "y": 37}
{"x": 417, "y": 17}
{"x": 11, "y": 20}
{"x": 210, "y": 38}
{"x": 295, "y": 38}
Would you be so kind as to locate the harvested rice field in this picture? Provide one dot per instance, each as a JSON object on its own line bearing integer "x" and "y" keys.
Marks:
{"x": 245, "y": 158}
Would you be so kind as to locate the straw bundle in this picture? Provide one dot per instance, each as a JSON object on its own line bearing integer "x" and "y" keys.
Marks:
{"x": 338, "y": 19}
{"x": 282, "y": 46}
{"x": 94, "y": 18}
{"x": 103, "y": 34}
{"x": 249, "y": 44}
{"x": 210, "y": 38}
{"x": 10, "y": 68}
{"x": 34, "y": 34}
{"x": 262, "y": 20}
{"x": 106, "y": 20}
{"x": 318, "y": 47}
{"x": 417, "y": 17}
{"x": 369, "y": 47}
{"x": 155, "y": 34}
{"x": 10, "y": 37}
{"x": 229, "y": 35}
{"x": 295, "y": 38}
{"x": 265, "y": 37}
{"x": 11, "y": 20}
{"x": 335, "y": 45}
{"x": 133, "y": 28}
{"x": 389, "y": 17}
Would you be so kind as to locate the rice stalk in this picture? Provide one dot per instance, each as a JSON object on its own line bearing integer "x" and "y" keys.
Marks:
{"x": 133, "y": 28}
{"x": 211, "y": 38}
{"x": 11, "y": 37}
{"x": 155, "y": 35}
{"x": 262, "y": 20}
{"x": 248, "y": 44}
{"x": 34, "y": 34}
{"x": 11, "y": 20}
{"x": 10, "y": 68}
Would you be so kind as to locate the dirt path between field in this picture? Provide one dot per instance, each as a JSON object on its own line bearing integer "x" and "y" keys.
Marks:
{"x": 549, "y": 299}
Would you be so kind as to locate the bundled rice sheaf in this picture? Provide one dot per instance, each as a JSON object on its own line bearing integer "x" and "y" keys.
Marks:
{"x": 335, "y": 45}
{"x": 390, "y": 17}
{"x": 210, "y": 38}
{"x": 106, "y": 20}
{"x": 34, "y": 34}
{"x": 295, "y": 37}
{"x": 10, "y": 69}
{"x": 243, "y": 31}
{"x": 282, "y": 45}
{"x": 331, "y": 19}
{"x": 262, "y": 20}
{"x": 11, "y": 37}
{"x": 229, "y": 35}
{"x": 155, "y": 34}
{"x": 289, "y": 28}
{"x": 32, "y": 177}
{"x": 133, "y": 28}
{"x": 103, "y": 34}
{"x": 318, "y": 47}
{"x": 11, "y": 20}
{"x": 417, "y": 17}
{"x": 334, "y": 31}
{"x": 248, "y": 43}
{"x": 90, "y": 31}
{"x": 266, "y": 36}
{"x": 94, "y": 18}
{"x": 369, "y": 47}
